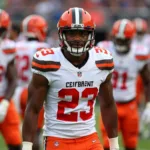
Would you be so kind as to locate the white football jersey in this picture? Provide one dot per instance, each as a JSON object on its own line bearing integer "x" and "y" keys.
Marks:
{"x": 69, "y": 107}
{"x": 145, "y": 40}
{"x": 126, "y": 69}
{"x": 7, "y": 54}
{"x": 24, "y": 54}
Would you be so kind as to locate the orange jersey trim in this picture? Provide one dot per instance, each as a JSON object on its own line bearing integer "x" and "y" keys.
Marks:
{"x": 45, "y": 66}
{"x": 105, "y": 65}
{"x": 142, "y": 57}
{"x": 9, "y": 51}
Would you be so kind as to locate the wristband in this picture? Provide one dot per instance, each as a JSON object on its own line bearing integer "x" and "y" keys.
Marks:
{"x": 148, "y": 105}
{"x": 113, "y": 143}
{"x": 27, "y": 145}
{"x": 5, "y": 102}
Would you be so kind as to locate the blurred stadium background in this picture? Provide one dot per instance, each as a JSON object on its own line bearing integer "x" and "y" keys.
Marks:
{"x": 104, "y": 12}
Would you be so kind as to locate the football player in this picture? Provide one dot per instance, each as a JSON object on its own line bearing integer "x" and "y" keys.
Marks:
{"x": 129, "y": 60}
{"x": 67, "y": 80}
{"x": 9, "y": 118}
{"x": 35, "y": 30}
{"x": 142, "y": 37}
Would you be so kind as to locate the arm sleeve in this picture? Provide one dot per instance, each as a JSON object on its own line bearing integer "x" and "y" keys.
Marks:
{"x": 39, "y": 65}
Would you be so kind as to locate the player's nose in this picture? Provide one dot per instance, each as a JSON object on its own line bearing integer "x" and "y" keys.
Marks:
{"x": 77, "y": 36}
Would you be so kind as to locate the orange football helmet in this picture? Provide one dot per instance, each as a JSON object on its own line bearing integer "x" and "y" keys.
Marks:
{"x": 4, "y": 19}
{"x": 140, "y": 25}
{"x": 123, "y": 29}
{"x": 35, "y": 26}
{"x": 76, "y": 19}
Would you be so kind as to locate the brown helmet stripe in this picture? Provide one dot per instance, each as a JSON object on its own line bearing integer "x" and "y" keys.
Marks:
{"x": 80, "y": 16}
{"x": 77, "y": 15}
{"x": 122, "y": 27}
{"x": 73, "y": 16}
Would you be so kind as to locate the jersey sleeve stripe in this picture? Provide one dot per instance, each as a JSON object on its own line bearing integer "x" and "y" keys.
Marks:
{"x": 104, "y": 61}
{"x": 9, "y": 51}
{"x": 42, "y": 62}
{"x": 105, "y": 64}
{"x": 45, "y": 65}
{"x": 142, "y": 57}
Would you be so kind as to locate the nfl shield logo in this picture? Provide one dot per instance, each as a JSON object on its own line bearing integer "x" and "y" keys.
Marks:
{"x": 79, "y": 74}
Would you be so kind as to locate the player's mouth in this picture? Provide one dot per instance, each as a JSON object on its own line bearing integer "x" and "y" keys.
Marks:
{"x": 77, "y": 44}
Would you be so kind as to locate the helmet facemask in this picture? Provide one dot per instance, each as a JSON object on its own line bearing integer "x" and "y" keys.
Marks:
{"x": 140, "y": 35}
{"x": 122, "y": 45}
{"x": 77, "y": 47}
{"x": 123, "y": 32}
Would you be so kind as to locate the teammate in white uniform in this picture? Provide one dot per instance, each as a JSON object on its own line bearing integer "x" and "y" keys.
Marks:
{"x": 35, "y": 36}
{"x": 9, "y": 118}
{"x": 69, "y": 78}
{"x": 142, "y": 37}
{"x": 24, "y": 54}
{"x": 35, "y": 30}
{"x": 129, "y": 61}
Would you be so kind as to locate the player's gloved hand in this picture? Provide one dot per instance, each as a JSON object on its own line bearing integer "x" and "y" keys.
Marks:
{"x": 146, "y": 114}
{"x": 27, "y": 145}
{"x": 4, "y": 104}
{"x": 113, "y": 143}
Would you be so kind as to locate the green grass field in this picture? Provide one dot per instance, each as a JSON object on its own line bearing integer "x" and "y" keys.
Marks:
{"x": 142, "y": 145}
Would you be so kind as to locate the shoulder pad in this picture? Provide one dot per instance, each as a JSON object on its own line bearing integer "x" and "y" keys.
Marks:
{"x": 45, "y": 60}
{"x": 42, "y": 46}
{"x": 104, "y": 59}
{"x": 142, "y": 53}
{"x": 104, "y": 43}
{"x": 102, "y": 52}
